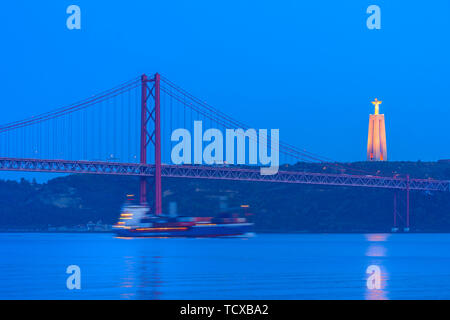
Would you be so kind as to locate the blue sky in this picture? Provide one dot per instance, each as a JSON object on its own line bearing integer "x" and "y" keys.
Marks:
{"x": 309, "y": 68}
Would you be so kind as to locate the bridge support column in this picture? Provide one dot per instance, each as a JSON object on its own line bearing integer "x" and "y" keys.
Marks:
{"x": 394, "y": 227}
{"x": 402, "y": 208}
{"x": 155, "y": 137}
{"x": 158, "y": 192}
{"x": 407, "y": 204}
{"x": 144, "y": 141}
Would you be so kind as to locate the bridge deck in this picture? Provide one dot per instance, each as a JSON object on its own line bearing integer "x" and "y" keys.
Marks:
{"x": 221, "y": 173}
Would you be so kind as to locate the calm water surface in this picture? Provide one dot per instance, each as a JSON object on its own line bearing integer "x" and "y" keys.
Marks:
{"x": 267, "y": 266}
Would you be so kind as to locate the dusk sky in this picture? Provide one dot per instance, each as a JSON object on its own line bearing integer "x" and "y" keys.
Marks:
{"x": 309, "y": 68}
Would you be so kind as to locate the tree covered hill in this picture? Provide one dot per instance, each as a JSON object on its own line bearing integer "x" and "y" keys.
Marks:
{"x": 77, "y": 199}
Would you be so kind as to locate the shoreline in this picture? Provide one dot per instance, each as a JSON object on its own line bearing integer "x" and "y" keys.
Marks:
{"x": 256, "y": 232}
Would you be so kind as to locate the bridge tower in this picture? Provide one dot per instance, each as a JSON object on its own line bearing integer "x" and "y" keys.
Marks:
{"x": 376, "y": 141}
{"x": 150, "y": 87}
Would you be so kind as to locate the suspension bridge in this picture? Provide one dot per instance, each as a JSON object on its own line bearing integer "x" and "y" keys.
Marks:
{"x": 126, "y": 130}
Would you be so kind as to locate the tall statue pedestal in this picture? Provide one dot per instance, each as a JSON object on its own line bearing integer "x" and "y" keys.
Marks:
{"x": 376, "y": 142}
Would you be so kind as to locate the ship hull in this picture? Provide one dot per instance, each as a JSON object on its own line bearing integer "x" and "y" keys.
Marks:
{"x": 197, "y": 231}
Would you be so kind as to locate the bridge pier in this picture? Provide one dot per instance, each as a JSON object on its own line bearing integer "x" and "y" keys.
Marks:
{"x": 396, "y": 215}
{"x": 395, "y": 227}
{"x": 144, "y": 134}
{"x": 154, "y": 137}
{"x": 157, "y": 132}
{"x": 407, "y": 204}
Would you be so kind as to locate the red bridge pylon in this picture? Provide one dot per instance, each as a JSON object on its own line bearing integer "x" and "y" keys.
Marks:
{"x": 150, "y": 87}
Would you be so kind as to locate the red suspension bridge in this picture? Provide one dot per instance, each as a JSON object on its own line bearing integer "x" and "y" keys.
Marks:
{"x": 117, "y": 131}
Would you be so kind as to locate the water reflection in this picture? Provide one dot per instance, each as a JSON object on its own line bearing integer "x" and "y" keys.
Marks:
{"x": 377, "y": 252}
{"x": 127, "y": 281}
{"x": 142, "y": 277}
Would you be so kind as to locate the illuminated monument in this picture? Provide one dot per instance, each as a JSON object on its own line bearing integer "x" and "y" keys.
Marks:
{"x": 376, "y": 142}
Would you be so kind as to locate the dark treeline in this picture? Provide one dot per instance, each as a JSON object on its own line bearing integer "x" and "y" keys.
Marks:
{"x": 77, "y": 199}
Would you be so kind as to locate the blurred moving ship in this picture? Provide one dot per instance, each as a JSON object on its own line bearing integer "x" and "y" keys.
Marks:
{"x": 137, "y": 221}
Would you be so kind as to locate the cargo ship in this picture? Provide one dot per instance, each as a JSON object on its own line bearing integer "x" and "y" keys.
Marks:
{"x": 137, "y": 221}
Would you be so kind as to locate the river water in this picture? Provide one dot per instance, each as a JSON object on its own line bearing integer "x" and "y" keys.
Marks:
{"x": 266, "y": 266}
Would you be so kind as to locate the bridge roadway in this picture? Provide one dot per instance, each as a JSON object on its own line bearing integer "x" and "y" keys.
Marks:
{"x": 221, "y": 173}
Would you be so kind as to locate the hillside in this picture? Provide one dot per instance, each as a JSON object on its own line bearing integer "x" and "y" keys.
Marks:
{"x": 77, "y": 199}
